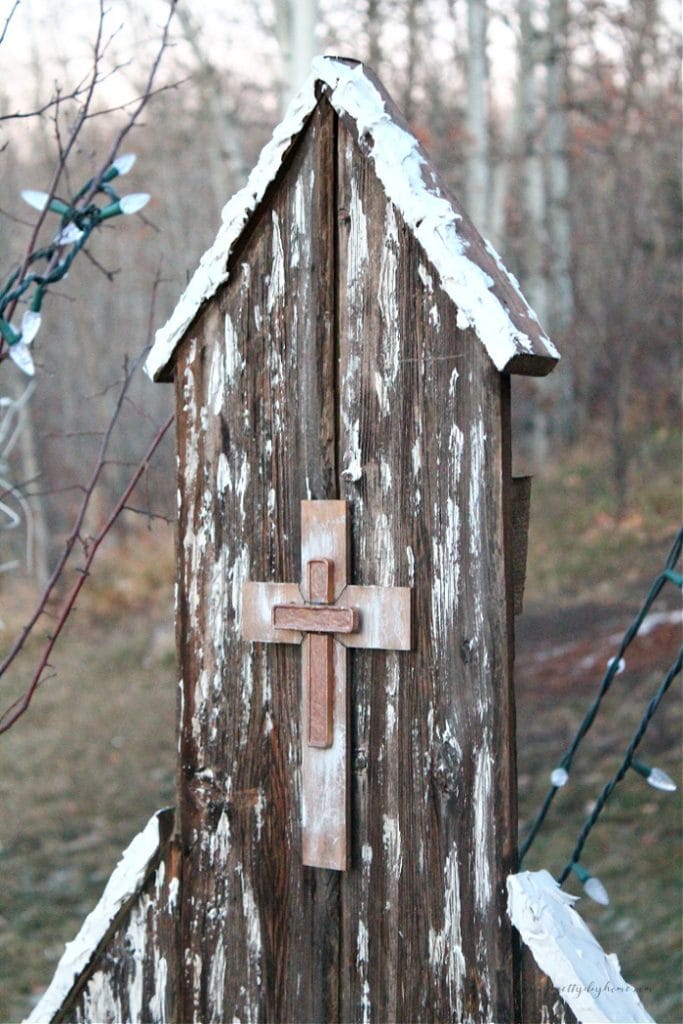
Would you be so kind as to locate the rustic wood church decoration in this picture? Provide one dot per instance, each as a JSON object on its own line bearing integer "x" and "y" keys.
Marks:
{"x": 341, "y": 360}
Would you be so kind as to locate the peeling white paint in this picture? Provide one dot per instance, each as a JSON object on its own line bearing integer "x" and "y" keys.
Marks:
{"x": 588, "y": 979}
{"x": 399, "y": 164}
{"x": 357, "y": 246}
{"x": 353, "y": 469}
{"x": 216, "y": 388}
{"x": 157, "y": 1002}
{"x": 387, "y": 298}
{"x": 362, "y": 953}
{"x": 124, "y": 883}
{"x": 391, "y": 840}
{"x": 482, "y": 797}
{"x": 234, "y": 363}
{"x": 445, "y": 944}
{"x": 276, "y": 285}
{"x": 252, "y": 926}
{"x": 223, "y": 474}
{"x": 216, "y": 980}
{"x": 411, "y": 566}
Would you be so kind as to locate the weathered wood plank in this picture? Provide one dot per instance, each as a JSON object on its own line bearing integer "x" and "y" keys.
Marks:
{"x": 256, "y": 436}
{"x": 134, "y": 976}
{"x": 424, "y": 452}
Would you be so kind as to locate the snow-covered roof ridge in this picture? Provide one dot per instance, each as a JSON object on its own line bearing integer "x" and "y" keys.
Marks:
{"x": 124, "y": 882}
{"x": 588, "y": 979}
{"x": 487, "y": 297}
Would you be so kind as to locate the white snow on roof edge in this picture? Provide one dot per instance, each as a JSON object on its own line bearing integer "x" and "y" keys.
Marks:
{"x": 124, "y": 882}
{"x": 398, "y": 164}
{"x": 588, "y": 979}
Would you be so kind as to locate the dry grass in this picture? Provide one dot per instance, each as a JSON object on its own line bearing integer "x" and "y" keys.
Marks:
{"x": 88, "y": 764}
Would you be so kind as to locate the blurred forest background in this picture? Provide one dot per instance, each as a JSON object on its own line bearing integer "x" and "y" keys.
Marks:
{"x": 556, "y": 122}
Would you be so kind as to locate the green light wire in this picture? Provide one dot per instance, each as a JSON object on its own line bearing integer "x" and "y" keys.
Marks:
{"x": 624, "y": 766}
{"x": 668, "y": 574}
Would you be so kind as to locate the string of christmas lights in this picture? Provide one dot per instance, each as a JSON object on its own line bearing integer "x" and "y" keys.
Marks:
{"x": 653, "y": 775}
{"x": 79, "y": 218}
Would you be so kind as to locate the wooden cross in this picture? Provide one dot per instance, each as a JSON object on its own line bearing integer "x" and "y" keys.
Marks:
{"x": 327, "y": 615}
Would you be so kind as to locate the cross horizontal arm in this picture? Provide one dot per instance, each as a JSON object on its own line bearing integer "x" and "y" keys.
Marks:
{"x": 258, "y": 601}
{"x": 384, "y": 618}
{"x": 315, "y": 618}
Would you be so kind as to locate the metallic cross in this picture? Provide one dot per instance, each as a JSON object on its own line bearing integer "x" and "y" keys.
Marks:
{"x": 327, "y": 615}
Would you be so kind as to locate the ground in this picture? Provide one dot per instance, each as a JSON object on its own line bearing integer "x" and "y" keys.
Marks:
{"x": 83, "y": 771}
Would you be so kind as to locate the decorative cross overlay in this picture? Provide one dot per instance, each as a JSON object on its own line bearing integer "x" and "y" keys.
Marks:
{"x": 327, "y": 615}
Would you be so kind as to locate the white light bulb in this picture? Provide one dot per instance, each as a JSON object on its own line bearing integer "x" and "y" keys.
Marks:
{"x": 134, "y": 202}
{"x": 621, "y": 666}
{"x": 559, "y": 777}
{"x": 660, "y": 780}
{"x": 20, "y": 354}
{"x": 594, "y": 888}
{"x": 124, "y": 163}
{"x": 30, "y": 325}
{"x": 38, "y": 200}
{"x": 68, "y": 235}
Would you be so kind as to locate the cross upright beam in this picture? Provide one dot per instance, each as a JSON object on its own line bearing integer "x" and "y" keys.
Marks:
{"x": 326, "y": 615}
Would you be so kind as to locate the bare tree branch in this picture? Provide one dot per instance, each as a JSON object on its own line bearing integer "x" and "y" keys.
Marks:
{"x": 91, "y": 546}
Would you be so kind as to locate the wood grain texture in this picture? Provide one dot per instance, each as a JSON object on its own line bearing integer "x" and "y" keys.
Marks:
{"x": 424, "y": 455}
{"x": 255, "y": 437}
{"x": 331, "y": 365}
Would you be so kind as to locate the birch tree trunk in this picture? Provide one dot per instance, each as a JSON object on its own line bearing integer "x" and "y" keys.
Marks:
{"x": 295, "y": 26}
{"x": 533, "y": 191}
{"x": 227, "y": 155}
{"x": 477, "y": 119}
{"x": 560, "y": 285}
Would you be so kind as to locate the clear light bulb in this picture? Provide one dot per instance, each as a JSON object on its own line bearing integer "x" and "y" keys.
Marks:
{"x": 21, "y": 355}
{"x": 134, "y": 202}
{"x": 594, "y": 888}
{"x": 30, "y": 325}
{"x": 660, "y": 780}
{"x": 559, "y": 777}
{"x": 124, "y": 163}
{"x": 68, "y": 235}
{"x": 655, "y": 777}
{"x": 38, "y": 200}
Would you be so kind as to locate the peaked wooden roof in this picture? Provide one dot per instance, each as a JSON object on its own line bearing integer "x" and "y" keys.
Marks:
{"x": 487, "y": 296}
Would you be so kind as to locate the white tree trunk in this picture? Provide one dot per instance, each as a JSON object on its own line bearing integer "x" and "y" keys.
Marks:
{"x": 533, "y": 189}
{"x": 295, "y": 24}
{"x": 226, "y": 159}
{"x": 477, "y": 121}
{"x": 561, "y": 292}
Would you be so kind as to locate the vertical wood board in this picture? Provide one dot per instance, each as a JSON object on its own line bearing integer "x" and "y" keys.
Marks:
{"x": 256, "y": 436}
{"x": 424, "y": 456}
{"x": 331, "y": 365}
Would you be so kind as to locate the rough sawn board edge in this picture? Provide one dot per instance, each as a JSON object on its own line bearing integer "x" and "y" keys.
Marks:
{"x": 486, "y": 295}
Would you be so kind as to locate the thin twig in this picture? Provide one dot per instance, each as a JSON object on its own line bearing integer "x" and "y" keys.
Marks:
{"x": 21, "y": 705}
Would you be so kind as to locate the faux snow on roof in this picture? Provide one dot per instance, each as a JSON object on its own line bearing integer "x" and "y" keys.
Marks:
{"x": 124, "y": 883}
{"x": 588, "y": 979}
{"x": 487, "y": 297}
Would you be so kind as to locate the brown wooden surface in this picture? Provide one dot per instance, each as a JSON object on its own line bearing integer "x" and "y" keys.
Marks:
{"x": 424, "y": 412}
{"x": 273, "y": 922}
{"x": 541, "y": 1002}
{"x": 370, "y": 393}
{"x": 134, "y": 974}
